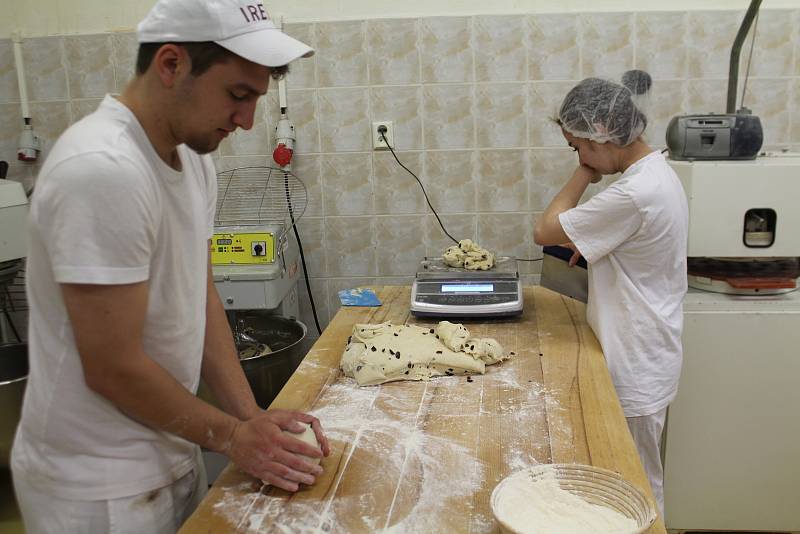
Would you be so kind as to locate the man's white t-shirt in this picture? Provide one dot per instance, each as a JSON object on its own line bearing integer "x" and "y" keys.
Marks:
{"x": 633, "y": 235}
{"x": 108, "y": 210}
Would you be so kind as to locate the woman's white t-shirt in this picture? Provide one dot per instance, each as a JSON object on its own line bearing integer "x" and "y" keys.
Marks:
{"x": 634, "y": 236}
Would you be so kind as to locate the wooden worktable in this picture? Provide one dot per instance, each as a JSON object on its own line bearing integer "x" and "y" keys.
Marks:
{"x": 424, "y": 457}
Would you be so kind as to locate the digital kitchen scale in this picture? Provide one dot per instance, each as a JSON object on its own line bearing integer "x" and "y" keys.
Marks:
{"x": 442, "y": 291}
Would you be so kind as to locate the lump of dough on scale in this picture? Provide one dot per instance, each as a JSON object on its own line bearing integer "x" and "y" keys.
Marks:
{"x": 468, "y": 255}
{"x": 378, "y": 353}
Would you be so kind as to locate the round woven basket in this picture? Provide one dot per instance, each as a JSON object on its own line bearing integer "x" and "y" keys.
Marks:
{"x": 594, "y": 485}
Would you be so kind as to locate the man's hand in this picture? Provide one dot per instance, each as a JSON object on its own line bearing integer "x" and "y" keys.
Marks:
{"x": 589, "y": 173}
{"x": 576, "y": 254}
{"x": 262, "y": 449}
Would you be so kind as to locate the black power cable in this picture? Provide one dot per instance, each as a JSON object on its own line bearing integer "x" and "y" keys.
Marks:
{"x": 300, "y": 248}
{"x": 382, "y": 130}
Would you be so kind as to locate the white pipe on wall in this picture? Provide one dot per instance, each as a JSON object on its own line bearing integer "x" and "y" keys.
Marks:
{"x": 20, "y": 66}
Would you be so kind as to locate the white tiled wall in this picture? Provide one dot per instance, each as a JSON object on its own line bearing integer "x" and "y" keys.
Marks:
{"x": 471, "y": 99}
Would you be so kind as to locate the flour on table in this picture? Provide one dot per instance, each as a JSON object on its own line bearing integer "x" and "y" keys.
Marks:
{"x": 534, "y": 506}
{"x": 378, "y": 353}
{"x": 468, "y": 255}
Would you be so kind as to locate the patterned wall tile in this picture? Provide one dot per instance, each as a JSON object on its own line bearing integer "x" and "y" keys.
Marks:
{"x": 312, "y": 235}
{"x": 551, "y": 168}
{"x": 80, "y": 108}
{"x": 344, "y": 120}
{"x": 10, "y": 128}
{"x": 462, "y": 226}
{"x": 501, "y": 115}
{"x": 794, "y": 106}
{"x": 350, "y": 245}
{"x": 666, "y": 100}
{"x": 9, "y": 86}
{"x": 544, "y": 101}
{"x": 448, "y": 112}
{"x": 553, "y": 47}
{"x": 403, "y": 106}
{"x": 44, "y": 68}
{"x": 399, "y": 247}
{"x": 796, "y": 40}
{"x": 450, "y": 180}
{"x": 302, "y": 112}
{"x": 347, "y": 187}
{"x": 506, "y": 234}
{"x": 606, "y": 44}
{"x": 711, "y": 34}
{"x": 661, "y": 44}
{"x": 302, "y": 73}
{"x": 393, "y": 51}
{"x": 307, "y": 168}
{"x": 499, "y": 47}
{"x": 396, "y": 191}
{"x": 774, "y": 44}
{"x": 319, "y": 290}
{"x": 50, "y": 121}
{"x": 446, "y": 51}
{"x": 341, "y": 57}
{"x": 88, "y": 62}
{"x": 706, "y": 96}
{"x": 124, "y": 50}
{"x": 502, "y": 180}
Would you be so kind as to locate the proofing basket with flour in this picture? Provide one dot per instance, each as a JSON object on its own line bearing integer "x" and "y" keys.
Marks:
{"x": 592, "y": 484}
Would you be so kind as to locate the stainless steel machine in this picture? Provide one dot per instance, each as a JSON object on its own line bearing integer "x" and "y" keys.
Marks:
{"x": 730, "y": 454}
{"x": 442, "y": 291}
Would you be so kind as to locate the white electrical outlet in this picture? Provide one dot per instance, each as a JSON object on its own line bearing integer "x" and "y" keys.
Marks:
{"x": 377, "y": 141}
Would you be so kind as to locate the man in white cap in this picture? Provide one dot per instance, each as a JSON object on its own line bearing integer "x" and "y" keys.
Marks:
{"x": 124, "y": 317}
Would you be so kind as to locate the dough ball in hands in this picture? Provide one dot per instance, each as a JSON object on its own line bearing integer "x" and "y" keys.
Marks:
{"x": 307, "y": 436}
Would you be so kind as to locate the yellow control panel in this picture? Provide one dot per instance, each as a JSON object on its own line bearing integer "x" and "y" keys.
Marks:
{"x": 243, "y": 248}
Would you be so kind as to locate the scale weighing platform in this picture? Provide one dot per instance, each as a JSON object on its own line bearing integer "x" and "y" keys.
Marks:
{"x": 442, "y": 291}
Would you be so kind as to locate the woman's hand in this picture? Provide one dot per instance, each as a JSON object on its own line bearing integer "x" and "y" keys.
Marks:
{"x": 589, "y": 174}
{"x": 576, "y": 254}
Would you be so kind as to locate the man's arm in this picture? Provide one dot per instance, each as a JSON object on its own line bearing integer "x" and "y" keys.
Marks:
{"x": 222, "y": 371}
{"x": 548, "y": 230}
{"x": 108, "y": 322}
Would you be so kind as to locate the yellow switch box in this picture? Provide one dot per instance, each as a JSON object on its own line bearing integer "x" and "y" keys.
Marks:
{"x": 243, "y": 248}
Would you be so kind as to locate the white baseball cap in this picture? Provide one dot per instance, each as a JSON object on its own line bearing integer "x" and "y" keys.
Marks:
{"x": 243, "y": 27}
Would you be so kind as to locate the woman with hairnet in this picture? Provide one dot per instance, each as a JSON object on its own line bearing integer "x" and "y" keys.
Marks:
{"x": 633, "y": 236}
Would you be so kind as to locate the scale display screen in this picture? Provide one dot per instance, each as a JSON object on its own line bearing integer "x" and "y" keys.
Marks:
{"x": 467, "y": 288}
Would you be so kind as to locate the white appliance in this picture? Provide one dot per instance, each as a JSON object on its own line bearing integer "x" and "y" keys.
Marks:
{"x": 13, "y": 249}
{"x": 13, "y": 221}
{"x": 730, "y": 445}
{"x": 253, "y": 253}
